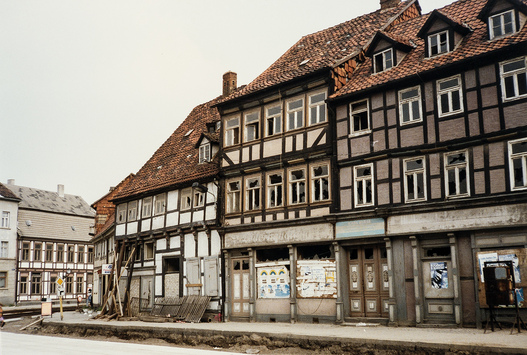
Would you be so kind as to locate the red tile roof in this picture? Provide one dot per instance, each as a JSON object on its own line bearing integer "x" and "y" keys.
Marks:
{"x": 323, "y": 49}
{"x": 176, "y": 161}
{"x": 473, "y": 44}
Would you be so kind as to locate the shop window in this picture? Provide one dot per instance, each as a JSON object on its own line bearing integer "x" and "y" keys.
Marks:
{"x": 276, "y": 254}
{"x": 433, "y": 252}
{"x": 309, "y": 252}
{"x": 456, "y": 172}
{"x": 518, "y": 164}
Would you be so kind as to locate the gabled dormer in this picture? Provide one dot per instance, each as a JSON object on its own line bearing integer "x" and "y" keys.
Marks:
{"x": 387, "y": 50}
{"x": 503, "y": 17}
{"x": 442, "y": 33}
{"x": 208, "y": 145}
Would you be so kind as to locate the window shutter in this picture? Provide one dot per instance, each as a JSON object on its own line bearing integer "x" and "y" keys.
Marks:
{"x": 211, "y": 276}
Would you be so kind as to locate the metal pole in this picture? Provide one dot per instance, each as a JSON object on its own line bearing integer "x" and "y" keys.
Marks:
{"x": 61, "y": 314}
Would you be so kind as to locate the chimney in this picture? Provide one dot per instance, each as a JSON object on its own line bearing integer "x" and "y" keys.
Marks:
{"x": 388, "y": 4}
{"x": 229, "y": 83}
{"x": 60, "y": 190}
{"x": 11, "y": 181}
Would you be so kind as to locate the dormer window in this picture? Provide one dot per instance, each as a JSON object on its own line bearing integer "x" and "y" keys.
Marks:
{"x": 438, "y": 43}
{"x": 204, "y": 152}
{"x": 502, "y": 24}
{"x": 383, "y": 61}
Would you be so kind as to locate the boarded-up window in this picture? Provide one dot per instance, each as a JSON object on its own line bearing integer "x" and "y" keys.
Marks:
{"x": 316, "y": 279}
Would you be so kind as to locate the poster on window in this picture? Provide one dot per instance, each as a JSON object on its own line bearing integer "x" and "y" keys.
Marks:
{"x": 273, "y": 282}
{"x": 439, "y": 275}
{"x": 316, "y": 279}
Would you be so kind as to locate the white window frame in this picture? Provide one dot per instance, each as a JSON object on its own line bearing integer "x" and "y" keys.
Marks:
{"x": 502, "y": 25}
{"x": 296, "y": 114}
{"x": 160, "y": 202}
{"x": 6, "y": 216}
{"x": 275, "y": 190}
{"x": 361, "y": 183}
{"x": 149, "y": 250}
{"x": 521, "y": 158}
{"x": 457, "y": 169}
{"x": 415, "y": 174}
{"x": 442, "y": 47}
{"x": 232, "y": 131}
{"x": 273, "y": 120}
{"x": 251, "y": 123}
{"x": 198, "y": 198}
{"x": 132, "y": 211}
{"x": 186, "y": 199}
{"x": 317, "y": 109}
{"x": 253, "y": 196}
{"x": 204, "y": 152}
{"x": 361, "y": 130}
{"x": 515, "y": 76}
{"x": 121, "y": 213}
{"x": 147, "y": 207}
{"x": 409, "y": 103}
{"x": 4, "y": 249}
{"x": 318, "y": 181}
{"x": 233, "y": 199}
{"x": 297, "y": 186}
{"x": 385, "y": 62}
{"x": 448, "y": 93}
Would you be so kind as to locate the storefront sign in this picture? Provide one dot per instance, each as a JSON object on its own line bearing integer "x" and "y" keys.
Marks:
{"x": 107, "y": 269}
{"x": 360, "y": 228}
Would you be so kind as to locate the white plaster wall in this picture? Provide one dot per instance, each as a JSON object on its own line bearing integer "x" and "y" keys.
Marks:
{"x": 203, "y": 244}
{"x": 172, "y": 219}
{"x": 190, "y": 246}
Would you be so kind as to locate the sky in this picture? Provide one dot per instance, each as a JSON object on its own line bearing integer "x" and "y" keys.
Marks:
{"x": 90, "y": 89}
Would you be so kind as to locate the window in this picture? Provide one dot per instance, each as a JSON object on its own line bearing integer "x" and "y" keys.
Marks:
{"x": 414, "y": 182}
{"x": 23, "y": 285}
{"x": 199, "y": 198}
{"x": 3, "y": 279}
{"x": 159, "y": 207}
{"x": 49, "y": 252}
{"x": 90, "y": 255}
{"x": 360, "y": 121}
{"x": 514, "y": 79}
{"x": 456, "y": 172}
{"x": 273, "y": 117}
{"x": 383, "y": 61}
{"x": 71, "y": 254}
{"x": 502, "y": 24}
{"x": 37, "y": 255}
{"x": 4, "y": 249}
{"x": 36, "y": 283}
{"x": 364, "y": 185}
{"x": 275, "y": 190}
{"x": 80, "y": 284}
{"x": 252, "y": 194}
{"x": 147, "y": 207}
{"x": 320, "y": 182}
{"x": 438, "y": 43}
{"x": 53, "y": 284}
{"x": 69, "y": 284}
{"x": 80, "y": 255}
{"x": 204, "y": 152}
{"x": 171, "y": 265}
{"x": 149, "y": 251}
{"x": 518, "y": 164}
{"x": 121, "y": 213}
{"x": 410, "y": 105}
{"x": 25, "y": 251}
{"x": 317, "y": 108}
{"x": 186, "y": 199}
{"x": 449, "y": 96}
{"x": 233, "y": 197}
{"x": 132, "y": 211}
{"x": 297, "y": 186}
{"x": 60, "y": 253}
{"x": 295, "y": 114}
{"x": 5, "y": 219}
{"x": 252, "y": 126}
{"x": 232, "y": 131}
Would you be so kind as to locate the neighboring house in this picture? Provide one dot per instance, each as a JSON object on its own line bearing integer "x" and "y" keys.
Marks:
{"x": 104, "y": 239}
{"x": 281, "y": 179}
{"x": 53, "y": 241}
{"x": 8, "y": 238}
{"x": 168, "y": 213}
{"x": 431, "y": 147}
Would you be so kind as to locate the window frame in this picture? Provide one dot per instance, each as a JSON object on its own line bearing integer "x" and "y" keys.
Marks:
{"x": 355, "y": 132}
{"x": 80, "y": 254}
{"x": 297, "y": 182}
{"x": 37, "y": 252}
{"x": 146, "y": 208}
{"x": 132, "y": 211}
{"x": 437, "y": 36}
{"x": 274, "y": 118}
{"x": 514, "y": 74}
{"x": 357, "y": 180}
{"x": 298, "y": 113}
{"x": 318, "y": 179}
{"x": 204, "y": 153}
{"x": 456, "y": 168}
{"x": 409, "y": 102}
{"x": 500, "y": 15}
{"x": 23, "y": 284}
{"x": 448, "y": 91}
{"x": 60, "y": 253}
{"x": 6, "y": 217}
{"x": 251, "y": 123}
{"x": 198, "y": 198}
{"x": 232, "y": 139}
{"x": 36, "y": 283}
{"x": 383, "y": 60}
{"x": 49, "y": 252}
{"x": 414, "y": 172}
{"x": 233, "y": 199}
{"x": 70, "y": 254}
{"x": 160, "y": 204}
{"x": 253, "y": 195}
{"x": 320, "y": 108}
{"x": 4, "y": 249}
{"x": 512, "y": 157}
{"x": 186, "y": 199}
{"x": 121, "y": 213}
{"x": 276, "y": 189}
{"x": 3, "y": 279}
{"x": 26, "y": 247}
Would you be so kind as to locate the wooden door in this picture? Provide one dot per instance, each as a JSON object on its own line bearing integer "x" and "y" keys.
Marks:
{"x": 368, "y": 281}
{"x": 240, "y": 287}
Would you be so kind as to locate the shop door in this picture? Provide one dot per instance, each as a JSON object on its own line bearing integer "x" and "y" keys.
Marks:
{"x": 368, "y": 281}
{"x": 240, "y": 287}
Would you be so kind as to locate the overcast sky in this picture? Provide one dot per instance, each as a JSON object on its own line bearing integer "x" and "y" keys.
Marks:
{"x": 89, "y": 89}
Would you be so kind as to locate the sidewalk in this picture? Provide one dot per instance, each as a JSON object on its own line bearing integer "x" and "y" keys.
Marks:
{"x": 459, "y": 339}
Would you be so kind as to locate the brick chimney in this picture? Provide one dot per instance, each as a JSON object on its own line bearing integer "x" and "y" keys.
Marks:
{"x": 388, "y": 4}
{"x": 229, "y": 83}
